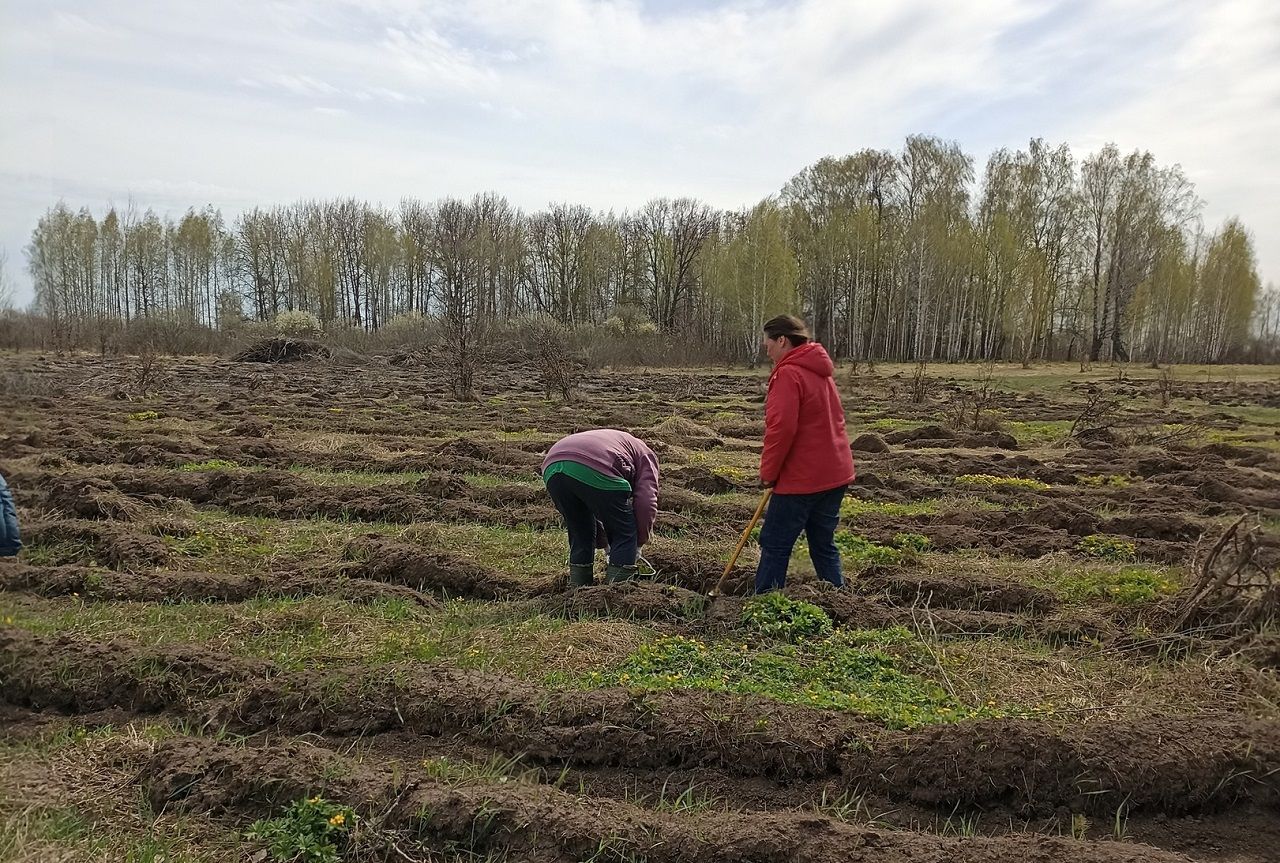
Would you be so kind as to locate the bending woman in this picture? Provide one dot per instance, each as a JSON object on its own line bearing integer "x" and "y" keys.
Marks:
{"x": 604, "y": 482}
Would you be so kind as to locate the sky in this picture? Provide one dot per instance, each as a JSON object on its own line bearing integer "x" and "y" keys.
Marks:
{"x": 238, "y": 103}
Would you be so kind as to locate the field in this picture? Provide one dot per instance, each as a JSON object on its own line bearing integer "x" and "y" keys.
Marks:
{"x": 272, "y": 608}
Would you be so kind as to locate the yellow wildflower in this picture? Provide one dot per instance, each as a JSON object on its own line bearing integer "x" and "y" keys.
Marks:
{"x": 337, "y": 820}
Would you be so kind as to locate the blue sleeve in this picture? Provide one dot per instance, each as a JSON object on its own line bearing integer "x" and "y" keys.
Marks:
{"x": 10, "y": 538}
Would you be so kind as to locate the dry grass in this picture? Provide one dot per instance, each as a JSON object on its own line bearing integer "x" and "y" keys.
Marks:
{"x": 1081, "y": 685}
{"x": 72, "y": 797}
{"x": 571, "y": 649}
{"x": 338, "y": 443}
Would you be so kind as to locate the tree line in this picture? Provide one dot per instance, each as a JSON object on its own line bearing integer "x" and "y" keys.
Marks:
{"x": 890, "y": 255}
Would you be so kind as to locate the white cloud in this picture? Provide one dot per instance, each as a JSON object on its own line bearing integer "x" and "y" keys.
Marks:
{"x": 1212, "y": 104}
{"x": 609, "y": 102}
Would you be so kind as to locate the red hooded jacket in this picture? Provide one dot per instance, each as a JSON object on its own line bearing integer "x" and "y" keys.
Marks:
{"x": 806, "y": 449}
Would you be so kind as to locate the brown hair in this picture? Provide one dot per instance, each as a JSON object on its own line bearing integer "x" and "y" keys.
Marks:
{"x": 790, "y": 326}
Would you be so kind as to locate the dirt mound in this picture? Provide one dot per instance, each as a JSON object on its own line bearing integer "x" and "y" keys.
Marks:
{"x": 1168, "y": 527}
{"x": 682, "y": 432}
{"x": 92, "y": 497}
{"x": 394, "y": 562}
{"x": 281, "y": 350}
{"x": 510, "y": 495}
{"x": 991, "y": 439}
{"x": 198, "y": 775}
{"x": 694, "y": 572}
{"x": 1218, "y": 490}
{"x": 920, "y": 433}
{"x": 78, "y": 676}
{"x": 968, "y": 592}
{"x": 1166, "y": 764}
{"x": 487, "y": 451}
{"x": 743, "y": 734}
{"x": 702, "y": 480}
{"x": 639, "y": 600}
{"x": 708, "y": 510}
{"x": 109, "y": 544}
{"x": 539, "y": 823}
{"x": 158, "y": 586}
{"x": 441, "y": 485}
{"x": 868, "y": 442}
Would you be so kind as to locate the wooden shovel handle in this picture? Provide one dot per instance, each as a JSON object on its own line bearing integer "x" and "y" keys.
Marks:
{"x": 742, "y": 541}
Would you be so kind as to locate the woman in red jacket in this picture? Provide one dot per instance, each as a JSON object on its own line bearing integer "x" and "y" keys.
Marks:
{"x": 806, "y": 457}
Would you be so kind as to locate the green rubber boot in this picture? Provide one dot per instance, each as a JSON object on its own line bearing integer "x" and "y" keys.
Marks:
{"x": 619, "y": 573}
{"x": 581, "y": 575}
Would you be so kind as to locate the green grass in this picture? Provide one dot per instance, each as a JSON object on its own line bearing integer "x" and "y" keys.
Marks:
{"x": 1110, "y": 480}
{"x": 219, "y": 541}
{"x": 859, "y": 550}
{"x": 1089, "y": 582}
{"x": 868, "y": 672}
{"x": 1106, "y": 547}
{"x": 209, "y": 464}
{"x": 1128, "y": 586}
{"x": 982, "y": 480}
{"x": 852, "y": 508}
{"x": 322, "y": 631}
{"x": 1038, "y": 433}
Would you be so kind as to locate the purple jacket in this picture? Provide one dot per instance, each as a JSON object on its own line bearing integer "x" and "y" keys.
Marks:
{"x": 616, "y": 453}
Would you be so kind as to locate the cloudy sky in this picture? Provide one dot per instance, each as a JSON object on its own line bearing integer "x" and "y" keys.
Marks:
{"x": 243, "y": 102}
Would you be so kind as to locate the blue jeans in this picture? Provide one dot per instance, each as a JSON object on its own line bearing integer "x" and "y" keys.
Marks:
{"x": 582, "y": 506}
{"x": 10, "y": 538}
{"x": 817, "y": 516}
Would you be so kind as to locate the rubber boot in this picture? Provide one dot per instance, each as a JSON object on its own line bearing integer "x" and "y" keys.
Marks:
{"x": 581, "y": 575}
{"x": 619, "y": 573}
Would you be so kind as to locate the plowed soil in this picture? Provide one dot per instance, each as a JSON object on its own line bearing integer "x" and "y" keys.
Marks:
{"x": 241, "y": 492}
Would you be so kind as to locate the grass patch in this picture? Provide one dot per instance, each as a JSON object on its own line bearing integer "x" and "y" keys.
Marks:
{"x": 209, "y": 464}
{"x": 1106, "y": 547}
{"x": 983, "y": 480}
{"x": 1109, "y": 480}
{"x": 848, "y": 670}
{"x": 322, "y": 631}
{"x": 1128, "y": 586}
{"x": 853, "y": 507}
{"x": 1038, "y": 433}
{"x": 356, "y": 478}
{"x": 859, "y": 550}
{"x": 219, "y": 541}
{"x": 1090, "y": 581}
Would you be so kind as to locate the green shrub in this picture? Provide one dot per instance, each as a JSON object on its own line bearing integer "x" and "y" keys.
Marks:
{"x": 912, "y": 542}
{"x": 313, "y": 830}
{"x": 778, "y": 616}
{"x": 1107, "y": 548}
{"x": 859, "y": 549}
{"x": 298, "y": 324}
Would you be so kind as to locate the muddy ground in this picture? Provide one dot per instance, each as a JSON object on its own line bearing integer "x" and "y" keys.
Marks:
{"x": 247, "y": 584}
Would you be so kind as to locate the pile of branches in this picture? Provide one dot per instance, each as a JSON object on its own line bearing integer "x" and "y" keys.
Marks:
{"x": 138, "y": 378}
{"x": 281, "y": 349}
{"x": 1232, "y": 590}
